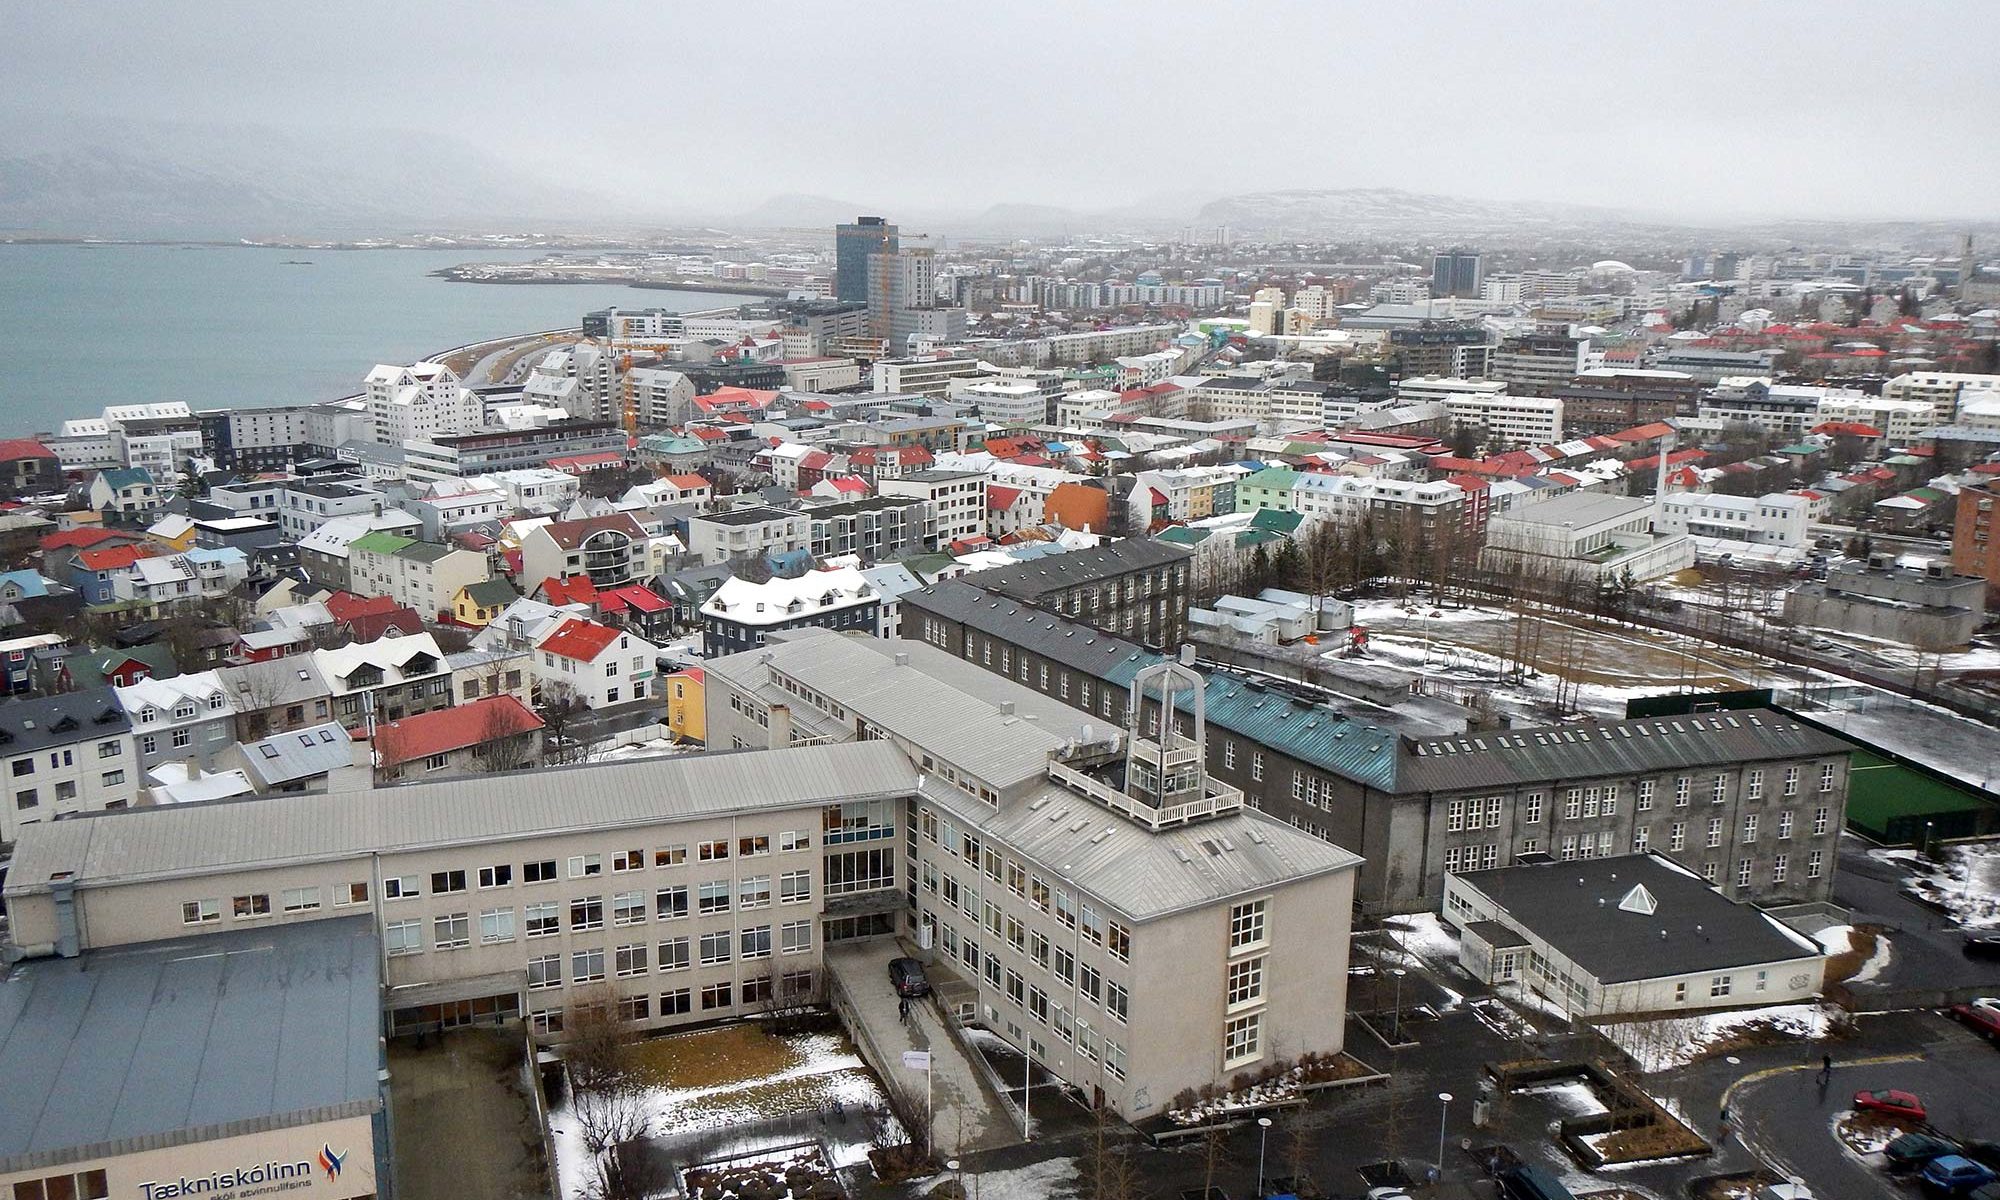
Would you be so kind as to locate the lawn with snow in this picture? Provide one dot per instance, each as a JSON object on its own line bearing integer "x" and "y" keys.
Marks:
{"x": 1669, "y": 1042}
{"x": 1966, "y": 884}
{"x": 734, "y": 1077}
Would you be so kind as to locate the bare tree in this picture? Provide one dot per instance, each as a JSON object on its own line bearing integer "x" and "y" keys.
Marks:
{"x": 609, "y": 1097}
{"x": 559, "y": 705}
{"x": 503, "y": 744}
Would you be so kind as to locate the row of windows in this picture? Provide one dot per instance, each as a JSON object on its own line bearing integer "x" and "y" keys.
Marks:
{"x": 1070, "y": 911}
{"x": 62, "y": 758}
{"x": 680, "y": 1001}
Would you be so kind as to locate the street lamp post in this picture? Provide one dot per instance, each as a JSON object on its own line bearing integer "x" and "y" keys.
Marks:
{"x": 1263, "y": 1132}
{"x": 1396, "y": 1024}
{"x": 1444, "y": 1115}
{"x": 951, "y": 1164}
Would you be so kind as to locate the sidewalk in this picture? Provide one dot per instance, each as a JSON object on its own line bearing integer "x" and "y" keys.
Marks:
{"x": 968, "y": 1117}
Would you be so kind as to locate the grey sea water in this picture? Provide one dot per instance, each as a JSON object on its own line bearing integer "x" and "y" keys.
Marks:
{"x": 226, "y": 327}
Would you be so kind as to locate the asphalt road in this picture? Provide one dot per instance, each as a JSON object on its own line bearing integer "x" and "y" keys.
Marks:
{"x": 1924, "y": 948}
{"x": 1788, "y": 1119}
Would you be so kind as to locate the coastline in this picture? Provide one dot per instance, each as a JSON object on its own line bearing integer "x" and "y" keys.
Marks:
{"x": 484, "y": 273}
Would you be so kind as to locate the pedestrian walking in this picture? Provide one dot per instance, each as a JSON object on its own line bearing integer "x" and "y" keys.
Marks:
{"x": 1826, "y": 1068}
{"x": 903, "y": 1010}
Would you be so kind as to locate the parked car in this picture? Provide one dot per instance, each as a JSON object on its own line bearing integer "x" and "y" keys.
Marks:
{"x": 1982, "y": 1016}
{"x": 1784, "y": 1191}
{"x": 1532, "y": 1183}
{"x": 1913, "y": 1150}
{"x": 1982, "y": 945}
{"x": 907, "y": 976}
{"x": 1388, "y": 1193}
{"x": 1955, "y": 1175}
{"x": 1890, "y": 1102}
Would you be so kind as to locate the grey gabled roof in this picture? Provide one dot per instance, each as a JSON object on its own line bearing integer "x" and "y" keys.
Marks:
{"x": 60, "y": 720}
{"x": 189, "y": 1040}
{"x": 1032, "y": 580}
{"x": 1649, "y": 744}
{"x": 1140, "y": 873}
{"x": 1574, "y": 907}
{"x": 299, "y": 754}
{"x": 199, "y": 839}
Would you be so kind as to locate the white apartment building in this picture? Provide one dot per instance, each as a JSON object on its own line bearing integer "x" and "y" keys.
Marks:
{"x": 1320, "y": 496}
{"x": 1145, "y": 370}
{"x": 1903, "y": 422}
{"x": 582, "y": 380}
{"x": 720, "y": 537}
{"x": 538, "y": 489}
{"x": 957, "y": 502}
{"x": 1231, "y": 398}
{"x": 596, "y": 664}
{"x": 418, "y": 403}
{"x": 663, "y": 396}
{"x": 1485, "y": 404}
{"x": 66, "y": 754}
{"x": 1779, "y": 519}
{"x": 1104, "y": 345}
{"x": 306, "y": 505}
{"x": 927, "y": 376}
{"x": 1944, "y": 389}
{"x": 1008, "y": 403}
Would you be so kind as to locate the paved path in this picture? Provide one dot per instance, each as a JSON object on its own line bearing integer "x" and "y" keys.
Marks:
{"x": 1924, "y": 948}
{"x": 463, "y": 1126}
{"x": 968, "y": 1116}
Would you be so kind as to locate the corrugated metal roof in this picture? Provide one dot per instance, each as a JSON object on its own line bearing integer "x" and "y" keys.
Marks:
{"x": 144, "y": 843}
{"x": 934, "y": 706}
{"x": 1140, "y": 873}
{"x": 1565, "y": 752}
{"x": 174, "y": 1038}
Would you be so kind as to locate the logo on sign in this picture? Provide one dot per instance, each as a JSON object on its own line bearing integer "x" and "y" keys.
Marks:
{"x": 330, "y": 1162}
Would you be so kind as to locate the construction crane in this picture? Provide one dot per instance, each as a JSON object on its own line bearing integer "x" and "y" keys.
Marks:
{"x": 629, "y": 394}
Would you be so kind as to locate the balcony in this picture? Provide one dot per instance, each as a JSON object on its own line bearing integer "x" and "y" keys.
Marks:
{"x": 1219, "y": 799}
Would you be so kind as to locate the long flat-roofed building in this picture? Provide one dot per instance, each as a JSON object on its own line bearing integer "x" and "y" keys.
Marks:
{"x": 686, "y": 890}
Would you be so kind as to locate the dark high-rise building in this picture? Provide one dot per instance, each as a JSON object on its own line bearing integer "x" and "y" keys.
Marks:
{"x": 852, "y": 246}
{"x": 1456, "y": 273}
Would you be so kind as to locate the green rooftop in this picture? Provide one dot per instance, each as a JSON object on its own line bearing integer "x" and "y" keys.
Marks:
{"x": 380, "y": 542}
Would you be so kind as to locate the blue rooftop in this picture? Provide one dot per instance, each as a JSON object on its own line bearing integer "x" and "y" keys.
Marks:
{"x": 137, "y": 1046}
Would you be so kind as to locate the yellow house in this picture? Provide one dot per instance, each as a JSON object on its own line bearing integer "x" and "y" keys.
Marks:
{"x": 173, "y": 531}
{"x": 476, "y": 604}
{"x": 685, "y": 715}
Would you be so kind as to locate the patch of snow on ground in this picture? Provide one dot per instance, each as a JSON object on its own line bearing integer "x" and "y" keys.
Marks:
{"x": 1877, "y": 963}
{"x": 1835, "y": 939}
{"x": 1423, "y": 936}
{"x": 1569, "y": 1097}
{"x": 1054, "y": 1179}
{"x": 1863, "y": 1134}
{"x": 1674, "y": 1041}
{"x": 1966, "y": 885}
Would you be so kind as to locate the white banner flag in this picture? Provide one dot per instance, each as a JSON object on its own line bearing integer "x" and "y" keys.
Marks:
{"x": 917, "y": 1060}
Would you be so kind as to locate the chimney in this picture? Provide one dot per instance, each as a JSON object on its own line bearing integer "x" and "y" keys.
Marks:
{"x": 193, "y": 768}
{"x": 1006, "y": 708}
{"x": 781, "y": 727}
{"x": 68, "y": 941}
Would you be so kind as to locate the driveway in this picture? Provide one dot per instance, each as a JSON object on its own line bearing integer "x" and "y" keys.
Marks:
{"x": 1787, "y": 1118}
{"x": 1924, "y": 946}
{"x": 969, "y": 1116}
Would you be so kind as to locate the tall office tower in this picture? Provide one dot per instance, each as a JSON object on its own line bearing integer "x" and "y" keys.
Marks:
{"x": 1456, "y": 273}
{"x": 852, "y": 246}
{"x": 899, "y": 281}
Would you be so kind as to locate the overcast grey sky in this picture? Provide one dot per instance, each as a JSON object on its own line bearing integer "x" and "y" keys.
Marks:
{"x": 1826, "y": 108}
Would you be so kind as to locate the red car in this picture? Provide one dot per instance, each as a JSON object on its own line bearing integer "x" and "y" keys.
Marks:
{"x": 1982, "y": 1016}
{"x": 1890, "y": 1103}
